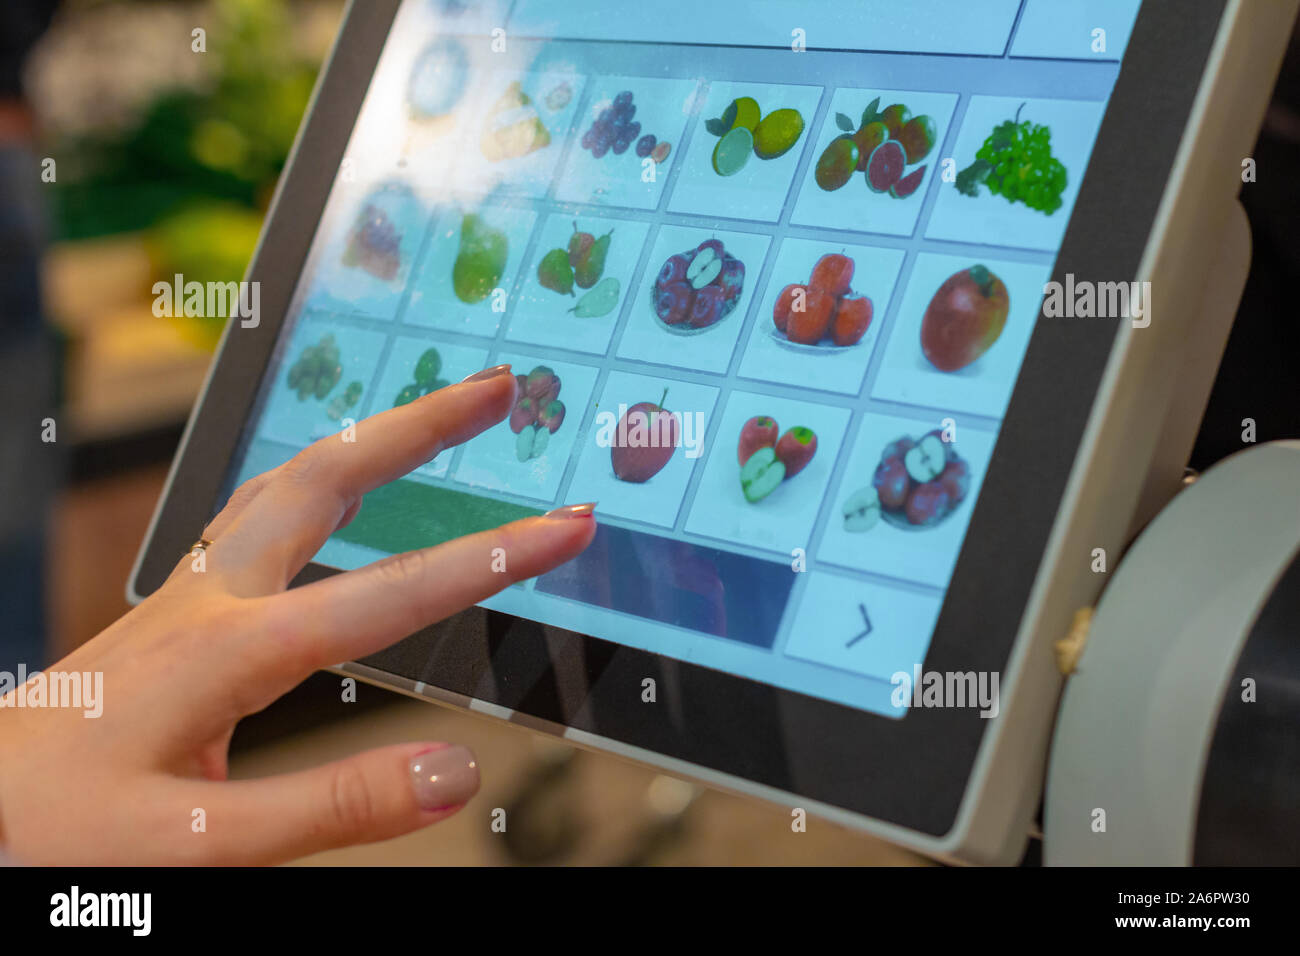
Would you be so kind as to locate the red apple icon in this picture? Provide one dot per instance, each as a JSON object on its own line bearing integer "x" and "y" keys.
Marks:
{"x": 644, "y": 441}
{"x": 760, "y": 431}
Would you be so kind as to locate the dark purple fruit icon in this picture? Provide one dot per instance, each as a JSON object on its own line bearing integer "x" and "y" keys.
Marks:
{"x": 374, "y": 244}
{"x": 732, "y": 278}
{"x": 707, "y": 306}
{"x": 917, "y": 484}
{"x": 674, "y": 269}
{"x": 673, "y": 302}
{"x": 698, "y": 288}
{"x": 614, "y": 130}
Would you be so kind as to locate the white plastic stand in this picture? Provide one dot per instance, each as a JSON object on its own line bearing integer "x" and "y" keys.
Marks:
{"x": 1138, "y": 717}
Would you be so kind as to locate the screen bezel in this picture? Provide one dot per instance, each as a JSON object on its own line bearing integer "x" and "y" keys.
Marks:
{"x": 911, "y": 772}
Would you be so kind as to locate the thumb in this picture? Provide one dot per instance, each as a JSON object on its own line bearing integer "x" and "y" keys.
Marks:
{"x": 372, "y": 796}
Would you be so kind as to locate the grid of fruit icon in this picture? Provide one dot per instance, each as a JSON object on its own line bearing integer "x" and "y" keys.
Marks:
{"x": 645, "y": 441}
{"x": 744, "y": 150}
{"x": 527, "y": 453}
{"x": 906, "y": 497}
{"x": 767, "y": 472}
{"x": 464, "y": 280}
{"x": 616, "y": 232}
{"x": 627, "y": 142}
{"x": 860, "y": 626}
{"x": 1019, "y": 166}
{"x": 960, "y": 333}
{"x": 326, "y": 371}
{"x": 820, "y": 315}
{"x": 579, "y": 276}
{"x": 516, "y": 127}
{"x": 695, "y": 291}
{"x": 874, "y": 160}
{"x": 365, "y": 264}
{"x": 416, "y": 367}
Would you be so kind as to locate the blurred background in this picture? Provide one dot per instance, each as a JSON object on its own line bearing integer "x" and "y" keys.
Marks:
{"x": 127, "y": 156}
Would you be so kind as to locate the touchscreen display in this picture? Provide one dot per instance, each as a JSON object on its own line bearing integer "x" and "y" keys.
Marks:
{"x": 766, "y": 273}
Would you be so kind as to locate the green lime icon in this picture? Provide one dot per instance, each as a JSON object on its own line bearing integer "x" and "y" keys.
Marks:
{"x": 733, "y": 151}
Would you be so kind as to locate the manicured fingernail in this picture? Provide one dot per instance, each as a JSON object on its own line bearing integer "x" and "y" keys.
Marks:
{"x": 487, "y": 373}
{"x": 444, "y": 777}
{"x": 572, "y": 511}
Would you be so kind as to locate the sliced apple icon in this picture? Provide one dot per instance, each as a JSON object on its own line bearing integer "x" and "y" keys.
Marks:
{"x": 704, "y": 268}
{"x": 862, "y": 510}
{"x": 927, "y": 459}
{"x": 531, "y": 442}
{"x": 761, "y": 474}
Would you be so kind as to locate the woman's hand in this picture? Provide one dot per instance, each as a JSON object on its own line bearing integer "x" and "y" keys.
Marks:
{"x": 209, "y": 648}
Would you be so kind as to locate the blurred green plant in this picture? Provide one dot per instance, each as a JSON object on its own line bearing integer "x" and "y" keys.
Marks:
{"x": 198, "y": 168}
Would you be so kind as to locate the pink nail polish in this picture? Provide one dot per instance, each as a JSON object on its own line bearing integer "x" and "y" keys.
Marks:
{"x": 572, "y": 511}
{"x": 444, "y": 777}
{"x": 487, "y": 373}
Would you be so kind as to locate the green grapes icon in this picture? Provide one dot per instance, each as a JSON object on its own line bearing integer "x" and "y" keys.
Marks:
{"x": 1016, "y": 162}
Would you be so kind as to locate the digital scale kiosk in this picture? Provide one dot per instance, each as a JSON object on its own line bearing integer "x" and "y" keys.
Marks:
{"x": 934, "y": 293}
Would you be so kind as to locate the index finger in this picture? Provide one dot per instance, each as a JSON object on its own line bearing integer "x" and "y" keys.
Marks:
{"x": 290, "y": 518}
{"x": 355, "y": 613}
